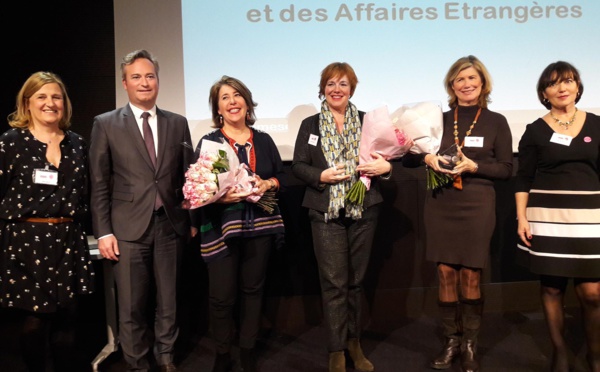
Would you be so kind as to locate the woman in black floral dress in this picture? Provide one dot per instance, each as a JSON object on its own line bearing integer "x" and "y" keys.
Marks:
{"x": 44, "y": 256}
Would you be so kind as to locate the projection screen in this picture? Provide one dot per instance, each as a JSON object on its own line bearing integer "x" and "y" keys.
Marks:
{"x": 400, "y": 51}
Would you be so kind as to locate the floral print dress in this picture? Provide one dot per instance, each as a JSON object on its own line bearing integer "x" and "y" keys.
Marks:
{"x": 43, "y": 265}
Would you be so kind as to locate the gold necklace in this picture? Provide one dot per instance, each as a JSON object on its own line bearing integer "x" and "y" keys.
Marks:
{"x": 468, "y": 131}
{"x": 564, "y": 123}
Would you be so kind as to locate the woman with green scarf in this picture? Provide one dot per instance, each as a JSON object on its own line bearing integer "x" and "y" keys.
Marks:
{"x": 326, "y": 160}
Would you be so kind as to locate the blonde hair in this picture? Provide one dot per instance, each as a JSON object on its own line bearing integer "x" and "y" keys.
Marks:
{"x": 463, "y": 64}
{"x": 21, "y": 117}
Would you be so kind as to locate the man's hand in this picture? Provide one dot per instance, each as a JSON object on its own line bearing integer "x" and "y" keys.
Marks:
{"x": 109, "y": 248}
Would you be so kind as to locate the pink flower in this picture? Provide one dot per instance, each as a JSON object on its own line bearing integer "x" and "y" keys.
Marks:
{"x": 201, "y": 182}
{"x": 216, "y": 171}
{"x": 401, "y": 137}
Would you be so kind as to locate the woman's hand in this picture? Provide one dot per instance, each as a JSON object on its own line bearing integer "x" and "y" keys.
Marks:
{"x": 233, "y": 196}
{"x": 334, "y": 175}
{"x": 261, "y": 186}
{"x": 433, "y": 162}
{"x": 376, "y": 167}
{"x": 524, "y": 231}
{"x": 466, "y": 165}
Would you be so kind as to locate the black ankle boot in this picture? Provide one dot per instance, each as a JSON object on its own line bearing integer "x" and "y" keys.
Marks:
{"x": 222, "y": 363}
{"x": 248, "y": 360}
{"x": 444, "y": 359}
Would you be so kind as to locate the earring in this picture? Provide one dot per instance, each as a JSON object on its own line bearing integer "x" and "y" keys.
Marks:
{"x": 221, "y": 119}
{"x": 248, "y": 115}
{"x": 546, "y": 100}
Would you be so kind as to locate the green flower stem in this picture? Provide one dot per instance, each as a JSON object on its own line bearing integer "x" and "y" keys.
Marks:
{"x": 356, "y": 194}
{"x": 436, "y": 180}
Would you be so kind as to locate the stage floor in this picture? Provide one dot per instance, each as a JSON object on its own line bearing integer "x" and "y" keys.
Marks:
{"x": 509, "y": 341}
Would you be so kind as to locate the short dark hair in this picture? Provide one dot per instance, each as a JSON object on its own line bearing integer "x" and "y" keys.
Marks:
{"x": 554, "y": 73}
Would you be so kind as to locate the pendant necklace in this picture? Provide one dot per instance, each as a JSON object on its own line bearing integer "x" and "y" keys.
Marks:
{"x": 457, "y": 184}
{"x": 48, "y": 141}
{"x": 468, "y": 131}
{"x": 564, "y": 124}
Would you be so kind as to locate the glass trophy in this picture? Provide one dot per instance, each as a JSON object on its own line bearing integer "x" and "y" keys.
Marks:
{"x": 451, "y": 155}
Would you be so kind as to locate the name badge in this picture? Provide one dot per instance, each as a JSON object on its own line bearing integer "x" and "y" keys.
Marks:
{"x": 561, "y": 139}
{"x": 45, "y": 177}
{"x": 312, "y": 140}
{"x": 472, "y": 141}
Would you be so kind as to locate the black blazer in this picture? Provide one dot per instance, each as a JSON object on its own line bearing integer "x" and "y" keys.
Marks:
{"x": 308, "y": 163}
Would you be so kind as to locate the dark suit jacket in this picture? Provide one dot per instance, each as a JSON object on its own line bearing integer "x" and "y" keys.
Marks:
{"x": 309, "y": 161}
{"x": 124, "y": 181}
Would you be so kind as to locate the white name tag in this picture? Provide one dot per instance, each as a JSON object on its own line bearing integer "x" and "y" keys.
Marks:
{"x": 473, "y": 141}
{"x": 312, "y": 140}
{"x": 561, "y": 139}
{"x": 45, "y": 177}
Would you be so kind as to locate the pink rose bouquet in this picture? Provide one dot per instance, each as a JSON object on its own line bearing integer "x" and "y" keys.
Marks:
{"x": 215, "y": 172}
{"x": 201, "y": 179}
{"x": 379, "y": 135}
{"x": 423, "y": 121}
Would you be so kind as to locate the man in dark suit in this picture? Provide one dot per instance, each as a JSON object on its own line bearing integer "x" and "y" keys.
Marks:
{"x": 138, "y": 157}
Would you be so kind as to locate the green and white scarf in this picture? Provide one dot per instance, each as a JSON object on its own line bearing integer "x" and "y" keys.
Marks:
{"x": 341, "y": 148}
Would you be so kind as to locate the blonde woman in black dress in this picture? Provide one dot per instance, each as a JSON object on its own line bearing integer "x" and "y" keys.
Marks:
{"x": 44, "y": 255}
{"x": 558, "y": 207}
{"x": 460, "y": 218}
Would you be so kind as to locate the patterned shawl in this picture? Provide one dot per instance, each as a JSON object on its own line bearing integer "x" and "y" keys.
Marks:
{"x": 341, "y": 148}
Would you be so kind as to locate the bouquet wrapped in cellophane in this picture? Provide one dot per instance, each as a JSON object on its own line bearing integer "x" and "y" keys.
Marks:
{"x": 378, "y": 134}
{"x": 216, "y": 171}
{"x": 423, "y": 122}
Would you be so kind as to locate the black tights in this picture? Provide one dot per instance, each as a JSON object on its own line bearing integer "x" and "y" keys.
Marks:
{"x": 39, "y": 330}
{"x": 588, "y": 292}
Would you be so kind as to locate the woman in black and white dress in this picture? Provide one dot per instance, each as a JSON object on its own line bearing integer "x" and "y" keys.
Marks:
{"x": 558, "y": 206}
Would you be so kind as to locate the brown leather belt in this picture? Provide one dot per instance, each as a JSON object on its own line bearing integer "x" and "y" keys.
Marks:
{"x": 46, "y": 220}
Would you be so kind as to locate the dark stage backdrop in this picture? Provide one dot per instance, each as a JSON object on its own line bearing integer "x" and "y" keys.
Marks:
{"x": 76, "y": 40}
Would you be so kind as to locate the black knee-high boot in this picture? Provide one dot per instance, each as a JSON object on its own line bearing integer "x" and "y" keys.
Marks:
{"x": 450, "y": 316}
{"x": 471, "y": 321}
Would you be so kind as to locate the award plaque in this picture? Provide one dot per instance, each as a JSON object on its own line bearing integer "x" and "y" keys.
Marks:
{"x": 451, "y": 155}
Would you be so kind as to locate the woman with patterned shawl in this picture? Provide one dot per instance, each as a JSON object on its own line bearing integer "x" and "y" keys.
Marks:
{"x": 326, "y": 158}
